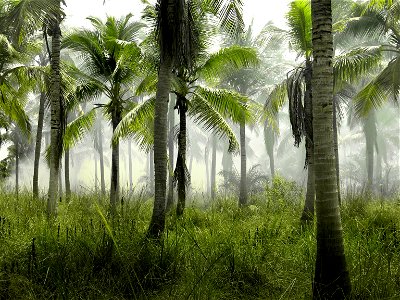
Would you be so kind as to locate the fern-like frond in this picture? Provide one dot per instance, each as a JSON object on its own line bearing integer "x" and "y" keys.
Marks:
{"x": 76, "y": 130}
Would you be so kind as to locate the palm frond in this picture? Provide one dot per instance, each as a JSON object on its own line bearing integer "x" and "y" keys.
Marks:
{"x": 76, "y": 130}
{"x": 204, "y": 114}
{"x": 299, "y": 19}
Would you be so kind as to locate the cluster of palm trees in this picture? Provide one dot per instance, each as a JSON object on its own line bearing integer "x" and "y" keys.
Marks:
{"x": 139, "y": 76}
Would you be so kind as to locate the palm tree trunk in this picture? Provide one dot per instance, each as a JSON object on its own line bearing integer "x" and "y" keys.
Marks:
{"x": 336, "y": 148}
{"x": 38, "y": 145}
{"x": 60, "y": 186}
{"x": 151, "y": 171}
{"x": 331, "y": 279}
{"x": 269, "y": 140}
{"x": 181, "y": 160}
{"x": 114, "y": 188}
{"x": 157, "y": 223}
{"x": 56, "y": 116}
{"x": 66, "y": 176}
{"x": 171, "y": 118}
{"x": 96, "y": 179}
{"x": 130, "y": 166}
{"x": 213, "y": 167}
{"x": 243, "y": 167}
{"x": 308, "y": 211}
{"x": 101, "y": 158}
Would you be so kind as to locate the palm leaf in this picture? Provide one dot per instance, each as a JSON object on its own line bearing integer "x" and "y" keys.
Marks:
{"x": 76, "y": 130}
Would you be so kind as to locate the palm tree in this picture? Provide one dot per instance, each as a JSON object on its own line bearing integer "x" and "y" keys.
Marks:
{"x": 331, "y": 275}
{"x": 174, "y": 42}
{"x": 110, "y": 63}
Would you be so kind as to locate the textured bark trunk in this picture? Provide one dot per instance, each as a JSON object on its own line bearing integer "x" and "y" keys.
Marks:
{"x": 101, "y": 158}
{"x": 114, "y": 188}
{"x": 66, "y": 176}
{"x": 56, "y": 117}
{"x": 213, "y": 167}
{"x": 181, "y": 160}
{"x": 171, "y": 119}
{"x": 308, "y": 211}
{"x": 60, "y": 186}
{"x": 269, "y": 140}
{"x": 38, "y": 145}
{"x": 336, "y": 148}
{"x": 16, "y": 143}
{"x": 130, "y": 166}
{"x": 331, "y": 279}
{"x": 243, "y": 166}
{"x": 157, "y": 222}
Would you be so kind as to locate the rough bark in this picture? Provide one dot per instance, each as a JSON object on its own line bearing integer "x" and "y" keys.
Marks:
{"x": 16, "y": 143}
{"x": 114, "y": 188}
{"x": 56, "y": 116}
{"x": 213, "y": 167}
{"x": 151, "y": 171}
{"x": 38, "y": 145}
{"x": 157, "y": 223}
{"x": 331, "y": 279}
{"x": 206, "y": 161}
{"x": 96, "y": 176}
{"x": 171, "y": 119}
{"x": 243, "y": 166}
{"x": 308, "y": 210}
{"x": 181, "y": 160}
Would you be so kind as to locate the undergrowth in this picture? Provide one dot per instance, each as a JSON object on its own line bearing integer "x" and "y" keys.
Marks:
{"x": 215, "y": 251}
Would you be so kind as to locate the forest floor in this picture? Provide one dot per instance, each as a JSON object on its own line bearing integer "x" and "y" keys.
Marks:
{"x": 216, "y": 251}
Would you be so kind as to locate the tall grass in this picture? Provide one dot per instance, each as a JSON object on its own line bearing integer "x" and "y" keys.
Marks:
{"x": 218, "y": 252}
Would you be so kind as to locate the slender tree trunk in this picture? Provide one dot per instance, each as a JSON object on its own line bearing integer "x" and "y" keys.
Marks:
{"x": 308, "y": 211}
{"x": 171, "y": 118}
{"x": 181, "y": 160}
{"x": 331, "y": 279}
{"x": 157, "y": 223}
{"x": 16, "y": 143}
{"x": 269, "y": 140}
{"x": 56, "y": 116}
{"x": 214, "y": 167}
{"x": 60, "y": 186}
{"x": 243, "y": 167}
{"x": 38, "y": 145}
{"x": 114, "y": 188}
{"x": 66, "y": 175}
{"x": 336, "y": 148}
{"x": 130, "y": 166}
{"x": 101, "y": 158}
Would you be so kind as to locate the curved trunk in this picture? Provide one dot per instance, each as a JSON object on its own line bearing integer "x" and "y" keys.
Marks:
{"x": 66, "y": 176}
{"x": 181, "y": 159}
{"x": 308, "y": 210}
{"x": 336, "y": 148}
{"x": 213, "y": 167}
{"x": 114, "y": 188}
{"x": 171, "y": 119}
{"x": 331, "y": 279}
{"x": 243, "y": 168}
{"x": 38, "y": 145}
{"x": 101, "y": 158}
{"x": 56, "y": 118}
{"x": 157, "y": 222}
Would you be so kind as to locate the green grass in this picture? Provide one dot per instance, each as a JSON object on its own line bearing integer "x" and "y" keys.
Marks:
{"x": 220, "y": 252}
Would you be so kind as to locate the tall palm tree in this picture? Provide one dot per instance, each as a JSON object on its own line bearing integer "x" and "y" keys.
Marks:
{"x": 331, "y": 280}
{"x": 174, "y": 44}
{"x": 110, "y": 63}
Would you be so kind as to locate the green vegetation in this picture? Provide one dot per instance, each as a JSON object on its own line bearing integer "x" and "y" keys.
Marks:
{"x": 215, "y": 251}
